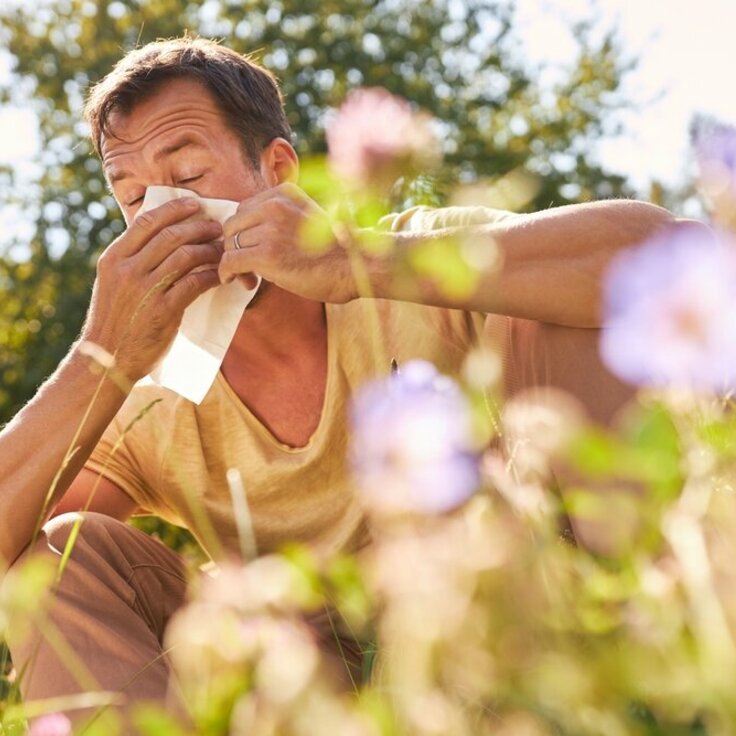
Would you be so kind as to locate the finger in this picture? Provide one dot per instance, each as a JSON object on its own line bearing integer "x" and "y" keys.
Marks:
{"x": 187, "y": 258}
{"x": 251, "y": 212}
{"x": 249, "y": 280}
{"x": 249, "y": 237}
{"x": 187, "y": 288}
{"x": 239, "y": 262}
{"x": 150, "y": 223}
{"x": 263, "y": 206}
{"x": 175, "y": 237}
{"x": 245, "y": 219}
{"x": 293, "y": 192}
{"x": 286, "y": 190}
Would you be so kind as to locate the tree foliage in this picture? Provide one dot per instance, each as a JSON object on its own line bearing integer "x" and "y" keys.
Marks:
{"x": 460, "y": 61}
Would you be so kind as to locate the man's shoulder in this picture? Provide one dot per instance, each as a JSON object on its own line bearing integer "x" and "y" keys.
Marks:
{"x": 422, "y": 218}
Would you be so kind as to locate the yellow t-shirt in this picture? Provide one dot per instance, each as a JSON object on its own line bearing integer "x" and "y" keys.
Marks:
{"x": 172, "y": 456}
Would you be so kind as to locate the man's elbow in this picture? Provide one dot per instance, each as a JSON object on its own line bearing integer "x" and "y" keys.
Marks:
{"x": 641, "y": 220}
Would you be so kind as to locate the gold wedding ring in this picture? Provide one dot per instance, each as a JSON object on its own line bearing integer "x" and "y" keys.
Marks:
{"x": 237, "y": 242}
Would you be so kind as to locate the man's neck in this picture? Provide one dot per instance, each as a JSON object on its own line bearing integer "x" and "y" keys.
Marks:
{"x": 277, "y": 364}
{"x": 278, "y": 327}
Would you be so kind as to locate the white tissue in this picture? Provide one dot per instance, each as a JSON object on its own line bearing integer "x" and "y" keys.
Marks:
{"x": 192, "y": 362}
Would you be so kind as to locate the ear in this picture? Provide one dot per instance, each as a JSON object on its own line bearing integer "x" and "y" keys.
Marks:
{"x": 279, "y": 163}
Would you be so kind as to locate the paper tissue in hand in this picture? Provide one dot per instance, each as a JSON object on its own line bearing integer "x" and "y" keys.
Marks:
{"x": 192, "y": 362}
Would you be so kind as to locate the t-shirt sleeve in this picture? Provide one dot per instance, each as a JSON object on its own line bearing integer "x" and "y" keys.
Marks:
{"x": 126, "y": 452}
{"x": 422, "y": 218}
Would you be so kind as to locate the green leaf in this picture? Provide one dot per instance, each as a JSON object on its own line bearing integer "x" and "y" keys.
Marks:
{"x": 152, "y": 720}
{"x": 442, "y": 261}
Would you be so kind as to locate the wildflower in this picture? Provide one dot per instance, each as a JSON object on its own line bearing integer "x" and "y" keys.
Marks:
{"x": 670, "y": 311}
{"x": 413, "y": 448}
{"x": 213, "y": 644}
{"x": 538, "y": 423}
{"x": 268, "y": 583}
{"x": 715, "y": 150}
{"x": 375, "y": 137}
{"x": 52, "y": 724}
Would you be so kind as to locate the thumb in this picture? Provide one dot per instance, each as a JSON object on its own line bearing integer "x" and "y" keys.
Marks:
{"x": 249, "y": 280}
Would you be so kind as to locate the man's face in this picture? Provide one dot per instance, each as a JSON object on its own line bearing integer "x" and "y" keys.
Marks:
{"x": 177, "y": 137}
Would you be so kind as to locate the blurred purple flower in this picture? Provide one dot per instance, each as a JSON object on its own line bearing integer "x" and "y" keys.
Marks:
{"x": 715, "y": 150}
{"x": 413, "y": 447}
{"x": 670, "y": 311}
{"x": 53, "y": 724}
{"x": 375, "y": 137}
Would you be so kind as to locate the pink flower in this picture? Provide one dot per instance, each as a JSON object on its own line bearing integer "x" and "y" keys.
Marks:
{"x": 375, "y": 137}
{"x": 53, "y": 724}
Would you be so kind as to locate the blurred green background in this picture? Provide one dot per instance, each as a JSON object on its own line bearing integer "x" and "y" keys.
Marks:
{"x": 457, "y": 61}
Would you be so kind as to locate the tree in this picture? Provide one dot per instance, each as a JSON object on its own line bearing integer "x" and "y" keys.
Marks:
{"x": 457, "y": 60}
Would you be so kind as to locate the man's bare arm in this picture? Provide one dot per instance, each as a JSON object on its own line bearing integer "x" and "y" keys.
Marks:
{"x": 549, "y": 265}
{"x": 551, "y": 262}
{"x": 57, "y": 429}
{"x": 144, "y": 282}
{"x": 90, "y": 491}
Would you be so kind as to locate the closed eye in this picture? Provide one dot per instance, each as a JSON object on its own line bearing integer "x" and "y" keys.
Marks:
{"x": 190, "y": 179}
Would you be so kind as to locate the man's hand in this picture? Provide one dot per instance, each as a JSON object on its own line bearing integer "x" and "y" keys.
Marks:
{"x": 286, "y": 238}
{"x": 146, "y": 279}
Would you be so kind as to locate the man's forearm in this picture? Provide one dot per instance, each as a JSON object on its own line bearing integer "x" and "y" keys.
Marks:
{"x": 548, "y": 265}
{"x": 56, "y": 430}
{"x": 131, "y": 316}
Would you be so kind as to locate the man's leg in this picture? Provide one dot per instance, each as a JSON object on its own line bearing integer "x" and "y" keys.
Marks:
{"x": 104, "y": 626}
{"x": 536, "y": 355}
{"x": 539, "y": 356}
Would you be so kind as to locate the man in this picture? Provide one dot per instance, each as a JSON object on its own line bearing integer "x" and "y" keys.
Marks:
{"x": 192, "y": 114}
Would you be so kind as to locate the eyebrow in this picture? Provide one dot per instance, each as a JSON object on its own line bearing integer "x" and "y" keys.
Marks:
{"x": 119, "y": 175}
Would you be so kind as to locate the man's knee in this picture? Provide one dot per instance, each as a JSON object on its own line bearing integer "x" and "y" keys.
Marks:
{"x": 102, "y": 544}
{"x": 68, "y": 529}
{"x": 112, "y": 591}
{"x": 84, "y": 540}
{"x": 567, "y": 358}
{"x": 98, "y": 562}
{"x": 74, "y": 553}
{"x": 72, "y": 530}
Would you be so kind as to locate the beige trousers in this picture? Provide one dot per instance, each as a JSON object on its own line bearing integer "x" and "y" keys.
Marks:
{"x": 104, "y": 627}
{"x": 110, "y": 609}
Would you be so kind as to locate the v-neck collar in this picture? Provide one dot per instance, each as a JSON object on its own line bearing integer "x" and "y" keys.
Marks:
{"x": 262, "y": 429}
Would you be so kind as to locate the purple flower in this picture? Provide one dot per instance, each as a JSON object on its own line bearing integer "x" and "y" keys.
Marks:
{"x": 375, "y": 137}
{"x": 670, "y": 311}
{"x": 413, "y": 448}
{"x": 53, "y": 724}
{"x": 715, "y": 150}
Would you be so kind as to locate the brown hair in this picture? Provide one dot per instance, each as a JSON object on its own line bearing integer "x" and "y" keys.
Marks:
{"x": 247, "y": 94}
